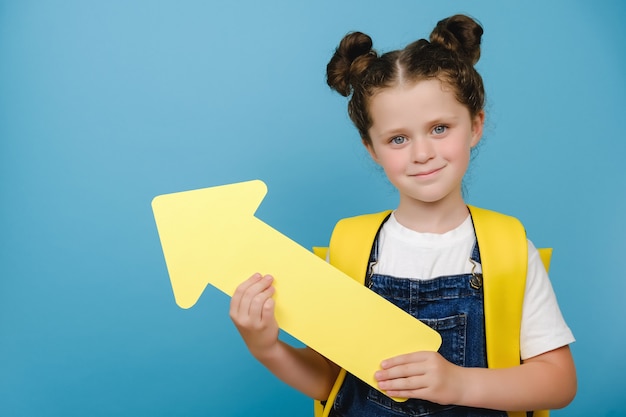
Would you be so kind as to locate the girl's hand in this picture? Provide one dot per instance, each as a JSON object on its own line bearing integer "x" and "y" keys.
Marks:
{"x": 252, "y": 312}
{"x": 424, "y": 375}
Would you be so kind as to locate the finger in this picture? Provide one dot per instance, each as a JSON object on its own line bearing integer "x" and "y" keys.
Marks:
{"x": 411, "y": 393}
{"x": 240, "y": 291}
{"x": 403, "y": 359}
{"x": 253, "y": 298}
{"x": 398, "y": 387}
{"x": 245, "y": 285}
{"x": 400, "y": 372}
{"x": 268, "y": 310}
{"x": 258, "y": 307}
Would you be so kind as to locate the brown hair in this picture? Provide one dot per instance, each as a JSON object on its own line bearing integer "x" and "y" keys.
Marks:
{"x": 454, "y": 47}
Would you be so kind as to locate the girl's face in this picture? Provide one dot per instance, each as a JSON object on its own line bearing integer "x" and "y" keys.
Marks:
{"x": 422, "y": 137}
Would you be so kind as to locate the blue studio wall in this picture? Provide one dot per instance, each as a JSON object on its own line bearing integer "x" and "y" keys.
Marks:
{"x": 104, "y": 105}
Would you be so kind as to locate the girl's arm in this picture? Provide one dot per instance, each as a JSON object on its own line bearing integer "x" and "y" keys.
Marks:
{"x": 546, "y": 381}
{"x": 252, "y": 312}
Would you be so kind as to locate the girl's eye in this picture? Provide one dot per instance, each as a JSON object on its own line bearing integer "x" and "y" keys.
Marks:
{"x": 439, "y": 130}
{"x": 398, "y": 140}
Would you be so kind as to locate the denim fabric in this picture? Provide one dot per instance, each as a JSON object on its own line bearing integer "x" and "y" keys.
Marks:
{"x": 449, "y": 304}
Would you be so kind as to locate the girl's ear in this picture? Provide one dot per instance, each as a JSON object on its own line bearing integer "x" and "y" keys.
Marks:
{"x": 370, "y": 149}
{"x": 477, "y": 127}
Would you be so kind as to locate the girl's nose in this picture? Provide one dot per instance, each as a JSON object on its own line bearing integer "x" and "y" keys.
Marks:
{"x": 422, "y": 151}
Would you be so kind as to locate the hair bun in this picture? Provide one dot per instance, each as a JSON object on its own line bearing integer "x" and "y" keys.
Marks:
{"x": 350, "y": 60}
{"x": 461, "y": 34}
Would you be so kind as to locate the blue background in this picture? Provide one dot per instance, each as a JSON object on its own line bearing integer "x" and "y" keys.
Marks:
{"x": 104, "y": 105}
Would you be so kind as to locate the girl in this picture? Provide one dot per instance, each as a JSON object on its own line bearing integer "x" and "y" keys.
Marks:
{"x": 419, "y": 112}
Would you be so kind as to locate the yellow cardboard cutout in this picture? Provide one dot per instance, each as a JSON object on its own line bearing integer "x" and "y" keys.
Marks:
{"x": 211, "y": 236}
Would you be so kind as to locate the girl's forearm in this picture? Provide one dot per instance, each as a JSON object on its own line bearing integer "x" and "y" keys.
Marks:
{"x": 547, "y": 381}
{"x": 302, "y": 368}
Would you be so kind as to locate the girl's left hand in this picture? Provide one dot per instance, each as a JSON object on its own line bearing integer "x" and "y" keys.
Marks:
{"x": 424, "y": 375}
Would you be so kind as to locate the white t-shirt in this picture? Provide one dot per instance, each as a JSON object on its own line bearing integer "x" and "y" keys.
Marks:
{"x": 405, "y": 253}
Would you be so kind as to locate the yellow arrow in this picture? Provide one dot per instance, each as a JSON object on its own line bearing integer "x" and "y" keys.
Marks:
{"x": 211, "y": 236}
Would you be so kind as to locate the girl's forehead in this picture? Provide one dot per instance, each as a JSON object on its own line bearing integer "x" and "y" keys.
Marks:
{"x": 412, "y": 105}
{"x": 404, "y": 85}
{"x": 422, "y": 93}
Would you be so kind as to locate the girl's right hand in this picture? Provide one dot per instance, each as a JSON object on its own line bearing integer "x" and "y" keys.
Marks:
{"x": 252, "y": 312}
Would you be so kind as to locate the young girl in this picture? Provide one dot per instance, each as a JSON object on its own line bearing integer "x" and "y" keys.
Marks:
{"x": 419, "y": 112}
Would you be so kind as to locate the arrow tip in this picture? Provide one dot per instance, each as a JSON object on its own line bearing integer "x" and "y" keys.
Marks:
{"x": 189, "y": 225}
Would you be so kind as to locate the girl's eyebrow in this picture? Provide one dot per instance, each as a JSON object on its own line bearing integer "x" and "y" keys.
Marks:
{"x": 437, "y": 120}
{"x": 444, "y": 118}
{"x": 385, "y": 134}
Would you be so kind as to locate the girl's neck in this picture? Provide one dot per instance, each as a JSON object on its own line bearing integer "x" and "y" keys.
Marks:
{"x": 437, "y": 217}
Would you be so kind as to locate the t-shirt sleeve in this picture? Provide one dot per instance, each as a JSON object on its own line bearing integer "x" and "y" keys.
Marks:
{"x": 543, "y": 327}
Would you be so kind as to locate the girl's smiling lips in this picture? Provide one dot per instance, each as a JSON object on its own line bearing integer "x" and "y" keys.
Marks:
{"x": 425, "y": 173}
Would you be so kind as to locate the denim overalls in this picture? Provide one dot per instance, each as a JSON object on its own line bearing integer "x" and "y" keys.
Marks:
{"x": 452, "y": 305}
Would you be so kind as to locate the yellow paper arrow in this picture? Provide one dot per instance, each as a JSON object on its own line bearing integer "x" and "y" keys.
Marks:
{"x": 211, "y": 236}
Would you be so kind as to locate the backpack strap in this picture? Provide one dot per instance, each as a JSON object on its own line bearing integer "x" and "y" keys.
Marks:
{"x": 504, "y": 264}
{"x": 352, "y": 241}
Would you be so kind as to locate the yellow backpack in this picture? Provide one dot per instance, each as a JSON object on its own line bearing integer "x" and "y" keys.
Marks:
{"x": 504, "y": 260}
